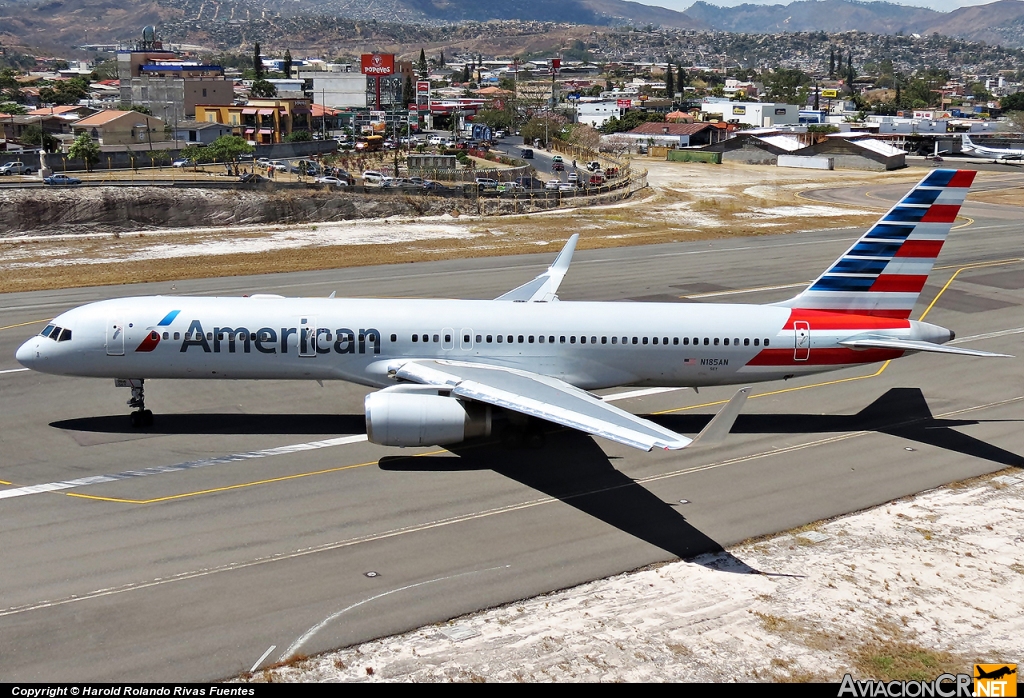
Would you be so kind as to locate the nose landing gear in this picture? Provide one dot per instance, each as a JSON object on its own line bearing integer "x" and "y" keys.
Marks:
{"x": 141, "y": 417}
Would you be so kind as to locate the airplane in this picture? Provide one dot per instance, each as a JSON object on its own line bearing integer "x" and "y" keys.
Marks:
{"x": 450, "y": 370}
{"x": 997, "y": 154}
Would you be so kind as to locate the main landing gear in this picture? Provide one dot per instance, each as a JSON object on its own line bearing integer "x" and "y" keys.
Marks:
{"x": 141, "y": 417}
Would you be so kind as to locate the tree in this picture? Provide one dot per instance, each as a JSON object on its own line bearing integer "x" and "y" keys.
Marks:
{"x": 440, "y": 60}
{"x": 65, "y": 92}
{"x": 12, "y": 108}
{"x": 257, "y": 61}
{"x": 297, "y": 137}
{"x": 287, "y": 64}
{"x": 261, "y": 89}
{"x": 494, "y": 118}
{"x": 850, "y": 75}
{"x": 34, "y": 135}
{"x": 682, "y": 79}
{"x": 85, "y": 149}
{"x": 783, "y": 84}
{"x": 670, "y": 83}
{"x": 230, "y": 148}
{"x": 465, "y": 73}
{"x": 408, "y": 93}
{"x": 422, "y": 65}
{"x": 1014, "y": 102}
{"x": 832, "y": 62}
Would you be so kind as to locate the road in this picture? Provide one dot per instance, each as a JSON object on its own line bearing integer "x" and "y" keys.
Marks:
{"x": 254, "y": 515}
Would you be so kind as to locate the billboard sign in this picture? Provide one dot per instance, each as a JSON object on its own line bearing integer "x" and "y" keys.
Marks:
{"x": 422, "y": 86}
{"x": 378, "y": 63}
{"x": 831, "y": 94}
{"x": 739, "y": 110}
{"x": 378, "y": 117}
{"x": 556, "y": 65}
{"x": 623, "y": 103}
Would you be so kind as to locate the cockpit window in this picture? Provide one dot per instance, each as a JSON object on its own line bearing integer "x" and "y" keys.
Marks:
{"x": 46, "y": 331}
{"x": 55, "y": 333}
{"x": 65, "y": 335}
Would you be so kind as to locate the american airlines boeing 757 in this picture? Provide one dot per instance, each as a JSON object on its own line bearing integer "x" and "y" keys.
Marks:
{"x": 448, "y": 369}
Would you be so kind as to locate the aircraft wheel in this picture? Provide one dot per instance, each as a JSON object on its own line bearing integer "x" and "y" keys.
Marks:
{"x": 136, "y": 419}
{"x": 535, "y": 438}
{"x": 147, "y": 418}
{"x": 512, "y": 438}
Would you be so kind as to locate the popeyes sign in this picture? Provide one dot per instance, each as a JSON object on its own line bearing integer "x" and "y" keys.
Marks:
{"x": 378, "y": 64}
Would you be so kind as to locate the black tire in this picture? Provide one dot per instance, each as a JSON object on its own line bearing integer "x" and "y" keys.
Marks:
{"x": 136, "y": 419}
{"x": 147, "y": 418}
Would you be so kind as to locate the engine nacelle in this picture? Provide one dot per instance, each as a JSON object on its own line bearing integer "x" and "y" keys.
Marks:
{"x": 419, "y": 416}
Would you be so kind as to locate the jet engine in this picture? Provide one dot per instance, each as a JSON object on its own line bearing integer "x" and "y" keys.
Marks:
{"x": 423, "y": 416}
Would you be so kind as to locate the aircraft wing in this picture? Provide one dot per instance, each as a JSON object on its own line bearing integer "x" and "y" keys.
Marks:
{"x": 544, "y": 287}
{"x": 914, "y": 345}
{"x": 543, "y": 397}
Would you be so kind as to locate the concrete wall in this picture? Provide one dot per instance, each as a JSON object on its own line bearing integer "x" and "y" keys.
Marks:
{"x": 806, "y": 162}
{"x": 750, "y": 155}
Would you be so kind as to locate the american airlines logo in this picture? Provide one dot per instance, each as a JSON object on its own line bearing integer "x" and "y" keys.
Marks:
{"x": 268, "y": 340}
{"x": 153, "y": 338}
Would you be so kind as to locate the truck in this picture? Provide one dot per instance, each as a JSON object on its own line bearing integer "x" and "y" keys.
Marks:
{"x": 16, "y": 168}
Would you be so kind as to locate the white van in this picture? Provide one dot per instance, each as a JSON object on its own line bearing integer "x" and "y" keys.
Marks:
{"x": 372, "y": 178}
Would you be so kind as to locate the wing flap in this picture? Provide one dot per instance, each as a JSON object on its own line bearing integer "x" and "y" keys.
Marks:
{"x": 545, "y": 398}
{"x": 915, "y": 345}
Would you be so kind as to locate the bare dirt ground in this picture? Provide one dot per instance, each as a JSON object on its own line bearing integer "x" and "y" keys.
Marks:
{"x": 910, "y": 590}
{"x": 685, "y": 201}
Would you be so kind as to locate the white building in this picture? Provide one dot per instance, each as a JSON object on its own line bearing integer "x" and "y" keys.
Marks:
{"x": 598, "y": 111}
{"x": 336, "y": 88}
{"x": 758, "y": 114}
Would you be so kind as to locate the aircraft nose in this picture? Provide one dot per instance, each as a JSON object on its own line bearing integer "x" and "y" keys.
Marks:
{"x": 28, "y": 353}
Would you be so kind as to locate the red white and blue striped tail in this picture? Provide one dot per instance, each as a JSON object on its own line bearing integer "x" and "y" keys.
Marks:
{"x": 884, "y": 272}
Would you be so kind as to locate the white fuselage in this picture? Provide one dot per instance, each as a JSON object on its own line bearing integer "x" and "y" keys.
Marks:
{"x": 589, "y": 345}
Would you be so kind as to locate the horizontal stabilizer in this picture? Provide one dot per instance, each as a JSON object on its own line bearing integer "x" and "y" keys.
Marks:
{"x": 543, "y": 288}
{"x": 913, "y": 345}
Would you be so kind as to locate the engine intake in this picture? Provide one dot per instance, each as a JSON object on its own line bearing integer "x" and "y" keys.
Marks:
{"x": 419, "y": 416}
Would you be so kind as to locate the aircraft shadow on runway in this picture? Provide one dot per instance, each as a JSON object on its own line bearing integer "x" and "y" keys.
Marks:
{"x": 901, "y": 412}
{"x": 572, "y": 467}
{"x": 232, "y": 423}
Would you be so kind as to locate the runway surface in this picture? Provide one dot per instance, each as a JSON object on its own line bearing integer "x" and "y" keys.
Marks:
{"x": 254, "y": 515}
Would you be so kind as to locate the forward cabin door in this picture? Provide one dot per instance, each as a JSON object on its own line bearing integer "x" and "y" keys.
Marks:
{"x": 115, "y": 337}
{"x": 801, "y": 340}
{"x": 307, "y": 337}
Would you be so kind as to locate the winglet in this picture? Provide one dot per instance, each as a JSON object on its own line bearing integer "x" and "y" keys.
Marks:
{"x": 719, "y": 427}
{"x": 544, "y": 287}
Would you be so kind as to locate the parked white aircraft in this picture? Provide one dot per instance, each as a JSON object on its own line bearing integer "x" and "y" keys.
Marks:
{"x": 984, "y": 151}
{"x": 446, "y": 365}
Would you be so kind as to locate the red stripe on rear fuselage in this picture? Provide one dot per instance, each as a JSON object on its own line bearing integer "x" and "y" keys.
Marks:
{"x": 824, "y": 357}
{"x": 848, "y": 319}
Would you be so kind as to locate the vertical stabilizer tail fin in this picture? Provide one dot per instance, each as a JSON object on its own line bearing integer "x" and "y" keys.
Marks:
{"x": 885, "y": 270}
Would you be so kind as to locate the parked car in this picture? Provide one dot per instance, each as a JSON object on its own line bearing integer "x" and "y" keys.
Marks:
{"x": 573, "y": 177}
{"x": 61, "y": 179}
{"x": 251, "y": 178}
{"x": 593, "y": 165}
{"x": 553, "y": 184}
{"x": 566, "y": 186}
{"x": 16, "y": 168}
{"x": 526, "y": 153}
{"x": 430, "y": 185}
{"x": 597, "y": 178}
{"x": 509, "y": 187}
{"x": 331, "y": 181}
{"x": 434, "y": 140}
{"x": 372, "y": 178}
{"x": 183, "y": 162}
{"x": 530, "y": 183}
{"x": 279, "y": 165}
{"x": 485, "y": 183}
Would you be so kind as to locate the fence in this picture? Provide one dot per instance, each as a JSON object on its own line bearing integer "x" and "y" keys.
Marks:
{"x": 694, "y": 156}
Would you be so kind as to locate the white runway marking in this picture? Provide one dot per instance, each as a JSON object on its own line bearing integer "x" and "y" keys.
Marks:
{"x": 161, "y": 469}
{"x": 265, "y": 655}
{"x": 14, "y": 370}
{"x": 334, "y": 616}
{"x": 988, "y": 335}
